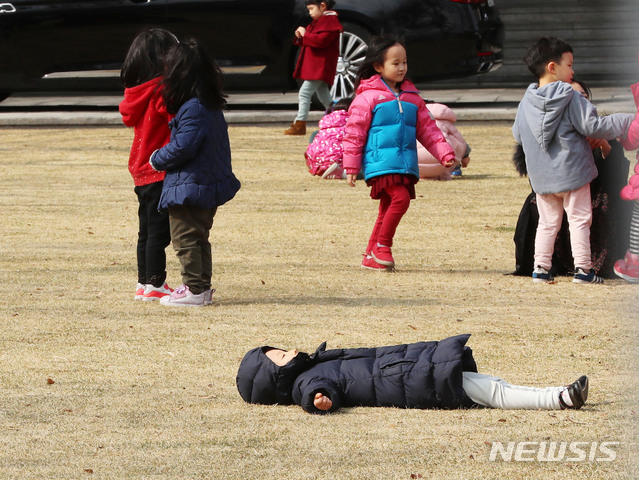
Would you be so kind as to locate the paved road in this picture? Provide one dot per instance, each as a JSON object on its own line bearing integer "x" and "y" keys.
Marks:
{"x": 256, "y": 108}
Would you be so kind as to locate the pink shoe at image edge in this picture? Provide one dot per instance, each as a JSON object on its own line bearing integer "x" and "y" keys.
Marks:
{"x": 628, "y": 267}
{"x": 182, "y": 297}
{"x": 370, "y": 263}
{"x": 152, "y": 293}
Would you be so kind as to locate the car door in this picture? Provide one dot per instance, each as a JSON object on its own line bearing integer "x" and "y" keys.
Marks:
{"x": 45, "y": 36}
{"x": 247, "y": 37}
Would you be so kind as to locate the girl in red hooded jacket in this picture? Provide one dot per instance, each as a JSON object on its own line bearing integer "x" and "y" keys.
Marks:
{"x": 317, "y": 62}
{"x": 144, "y": 110}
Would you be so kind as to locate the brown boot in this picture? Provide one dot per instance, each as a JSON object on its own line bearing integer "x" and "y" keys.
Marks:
{"x": 296, "y": 128}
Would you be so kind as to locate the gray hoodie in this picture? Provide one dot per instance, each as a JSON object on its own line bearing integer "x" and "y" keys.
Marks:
{"x": 552, "y": 124}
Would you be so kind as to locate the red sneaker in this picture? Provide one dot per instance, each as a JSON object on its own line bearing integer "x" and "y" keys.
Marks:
{"x": 139, "y": 291}
{"x": 370, "y": 263}
{"x": 383, "y": 255}
{"x": 152, "y": 293}
{"x": 628, "y": 267}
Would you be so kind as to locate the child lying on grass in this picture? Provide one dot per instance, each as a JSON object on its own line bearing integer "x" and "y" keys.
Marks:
{"x": 419, "y": 375}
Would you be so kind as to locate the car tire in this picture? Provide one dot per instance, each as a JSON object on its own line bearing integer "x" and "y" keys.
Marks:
{"x": 353, "y": 45}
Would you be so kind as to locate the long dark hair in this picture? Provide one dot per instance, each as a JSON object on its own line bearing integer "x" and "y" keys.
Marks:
{"x": 192, "y": 72}
{"x": 145, "y": 59}
{"x": 375, "y": 54}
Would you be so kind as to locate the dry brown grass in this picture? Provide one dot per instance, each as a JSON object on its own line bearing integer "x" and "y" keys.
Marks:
{"x": 143, "y": 391}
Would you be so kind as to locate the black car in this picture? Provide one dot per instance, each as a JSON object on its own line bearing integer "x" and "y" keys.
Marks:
{"x": 77, "y": 44}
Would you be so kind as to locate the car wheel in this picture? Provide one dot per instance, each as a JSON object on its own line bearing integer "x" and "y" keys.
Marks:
{"x": 353, "y": 45}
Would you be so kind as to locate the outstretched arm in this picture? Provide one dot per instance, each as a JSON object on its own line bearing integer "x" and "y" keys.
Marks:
{"x": 322, "y": 402}
{"x": 318, "y": 395}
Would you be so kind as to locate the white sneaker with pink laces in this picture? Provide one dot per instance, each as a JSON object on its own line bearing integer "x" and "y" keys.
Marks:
{"x": 182, "y": 297}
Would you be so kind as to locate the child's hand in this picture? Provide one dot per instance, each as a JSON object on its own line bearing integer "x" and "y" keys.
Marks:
{"x": 300, "y": 32}
{"x": 449, "y": 163}
{"x": 350, "y": 178}
{"x": 465, "y": 161}
{"x": 322, "y": 402}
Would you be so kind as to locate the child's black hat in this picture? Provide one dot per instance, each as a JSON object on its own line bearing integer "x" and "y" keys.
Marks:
{"x": 259, "y": 380}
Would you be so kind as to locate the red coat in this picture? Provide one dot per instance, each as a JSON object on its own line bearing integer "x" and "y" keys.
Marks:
{"x": 143, "y": 109}
{"x": 320, "y": 49}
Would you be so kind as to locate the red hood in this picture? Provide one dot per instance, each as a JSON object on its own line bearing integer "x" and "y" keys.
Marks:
{"x": 136, "y": 101}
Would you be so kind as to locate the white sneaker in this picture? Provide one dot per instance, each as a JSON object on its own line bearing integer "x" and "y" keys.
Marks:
{"x": 182, "y": 297}
{"x": 152, "y": 293}
{"x": 335, "y": 170}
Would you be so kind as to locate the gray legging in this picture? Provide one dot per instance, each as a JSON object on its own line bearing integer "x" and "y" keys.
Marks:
{"x": 308, "y": 88}
{"x": 634, "y": 229}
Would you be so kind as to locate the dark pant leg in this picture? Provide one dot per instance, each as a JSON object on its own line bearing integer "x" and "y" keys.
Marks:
{"x": 190, "y": 227}
{"x": 142, "y": 235}
{"x": 157, "y": 234}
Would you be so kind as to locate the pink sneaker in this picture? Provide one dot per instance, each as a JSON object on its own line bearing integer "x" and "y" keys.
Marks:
{"x": 139, "y": 291}
{"x": 182, "y": 297}
{"x": 152, "y": 293}
{"x": 383, "y": 255}
{"x": 628, "y": 267}
{"x": 370, "y": 263}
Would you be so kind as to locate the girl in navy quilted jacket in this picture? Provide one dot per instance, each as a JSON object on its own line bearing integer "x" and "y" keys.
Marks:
{"x": 197, "y": 161}
{"x": 386, "y": 119}
{"x": 143, "y": 109}
{"x": 418, "y": 375}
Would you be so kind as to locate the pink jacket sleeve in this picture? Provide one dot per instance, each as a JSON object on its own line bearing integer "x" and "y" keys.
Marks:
{"x": 356, "y": 133}
{"x": 431, "y": 137}
{"x": 631, "y": 142}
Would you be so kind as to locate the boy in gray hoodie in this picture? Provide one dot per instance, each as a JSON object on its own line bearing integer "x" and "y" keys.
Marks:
{"x": 552, "y": 124}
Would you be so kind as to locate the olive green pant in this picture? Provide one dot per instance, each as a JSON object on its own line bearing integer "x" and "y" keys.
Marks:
{"x": 190, "y": 227}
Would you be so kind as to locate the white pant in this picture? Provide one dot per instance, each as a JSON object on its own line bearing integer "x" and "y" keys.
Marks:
{"x": 494, "y": 392}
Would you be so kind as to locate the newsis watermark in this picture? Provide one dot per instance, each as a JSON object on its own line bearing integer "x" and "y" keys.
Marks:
{"x": 553, "y": 451}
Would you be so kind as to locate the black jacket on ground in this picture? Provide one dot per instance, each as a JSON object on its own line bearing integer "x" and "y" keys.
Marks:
{"x": 416, "y": 375}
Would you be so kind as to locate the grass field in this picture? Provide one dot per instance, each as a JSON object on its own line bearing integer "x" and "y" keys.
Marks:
{"x": 96, "y": 385}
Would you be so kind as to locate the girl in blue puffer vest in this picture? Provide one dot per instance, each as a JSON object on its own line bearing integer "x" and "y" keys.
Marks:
{"x": 197, "y": 161}
{"x": 386, "y": 119}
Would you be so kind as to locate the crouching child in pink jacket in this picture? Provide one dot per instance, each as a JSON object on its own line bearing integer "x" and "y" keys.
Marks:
{"x": 429, "y": 166}
{"x": 324, "y": 155}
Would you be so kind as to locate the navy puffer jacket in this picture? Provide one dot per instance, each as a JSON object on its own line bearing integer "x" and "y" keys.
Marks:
{"x": 416, "y": 375}
{"x": 197, "y": 159}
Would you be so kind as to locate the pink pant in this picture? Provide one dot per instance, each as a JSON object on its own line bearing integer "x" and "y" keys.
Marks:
{"x": 392, "y": 206}
{"x": 578, "y": 207}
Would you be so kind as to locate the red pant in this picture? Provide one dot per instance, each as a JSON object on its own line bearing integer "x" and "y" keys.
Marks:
{"x": 393, "y": 204}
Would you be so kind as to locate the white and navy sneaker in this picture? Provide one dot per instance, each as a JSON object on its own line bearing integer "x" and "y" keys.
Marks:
{"x": 582, "y": 277}
{"x": 541, "y": 275}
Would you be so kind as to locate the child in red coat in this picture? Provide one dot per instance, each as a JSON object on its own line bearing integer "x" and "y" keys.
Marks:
{"x": 144, "y": 110}
{"x": 317, "y": 62}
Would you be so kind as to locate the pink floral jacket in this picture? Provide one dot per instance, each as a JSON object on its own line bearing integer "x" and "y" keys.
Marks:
{"x": 326, "y": 147}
